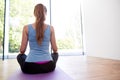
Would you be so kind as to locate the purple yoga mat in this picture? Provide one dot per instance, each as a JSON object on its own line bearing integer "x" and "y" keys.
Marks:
{"x": 58, "y": 74}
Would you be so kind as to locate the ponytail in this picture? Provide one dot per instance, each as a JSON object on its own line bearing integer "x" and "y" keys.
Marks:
{"x": 39, "y": 13}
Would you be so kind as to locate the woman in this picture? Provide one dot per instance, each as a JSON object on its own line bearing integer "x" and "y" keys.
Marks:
{"x": 39, "y": 35}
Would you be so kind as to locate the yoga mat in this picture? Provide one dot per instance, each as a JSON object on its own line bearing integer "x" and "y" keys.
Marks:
{"x": 58, "y": 74}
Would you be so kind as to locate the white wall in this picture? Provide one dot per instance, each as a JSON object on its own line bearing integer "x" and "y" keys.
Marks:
{"x": 101, "y": 24}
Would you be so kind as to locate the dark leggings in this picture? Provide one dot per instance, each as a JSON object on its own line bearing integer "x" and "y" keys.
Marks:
{"x": 34, "y": 68}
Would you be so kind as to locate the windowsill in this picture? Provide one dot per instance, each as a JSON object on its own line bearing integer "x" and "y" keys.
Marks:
{"x": 61, "y": 53}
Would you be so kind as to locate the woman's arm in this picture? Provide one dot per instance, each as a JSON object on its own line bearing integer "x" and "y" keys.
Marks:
{"x": 53, "y": 40}
{"x": 24, "y": 41}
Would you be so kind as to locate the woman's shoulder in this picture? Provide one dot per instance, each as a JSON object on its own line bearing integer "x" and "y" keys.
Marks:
{"x": 25, "y": 28}
{"x": 27, "y": 25}
{"x": 51, "y": 28}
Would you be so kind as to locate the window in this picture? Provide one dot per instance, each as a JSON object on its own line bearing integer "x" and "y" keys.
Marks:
{"x": 64, "y": 15}
{"x": 66, "y": 19}
{"x": 1, "y": 25}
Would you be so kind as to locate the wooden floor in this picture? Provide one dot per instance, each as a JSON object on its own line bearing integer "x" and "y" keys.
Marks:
{"x": 78, "y": 67}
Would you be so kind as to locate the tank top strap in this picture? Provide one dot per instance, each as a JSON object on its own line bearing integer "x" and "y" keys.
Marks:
{"x": 30, "y": 27}
{"x": 49, "y": 28}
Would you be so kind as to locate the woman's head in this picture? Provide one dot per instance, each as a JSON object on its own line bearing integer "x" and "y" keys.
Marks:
{"x": 39, "y": 12}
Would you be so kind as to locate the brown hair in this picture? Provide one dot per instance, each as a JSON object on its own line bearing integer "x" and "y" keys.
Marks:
{"x": 39, "y": 12}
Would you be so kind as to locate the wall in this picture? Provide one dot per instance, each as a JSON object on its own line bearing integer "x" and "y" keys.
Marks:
{"x": 101, "y": 26}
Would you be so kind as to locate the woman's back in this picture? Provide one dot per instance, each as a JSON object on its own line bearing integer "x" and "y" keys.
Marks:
{"x": 38, "y": 52}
